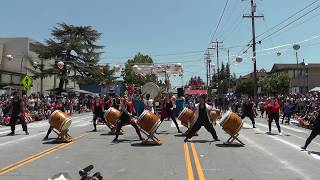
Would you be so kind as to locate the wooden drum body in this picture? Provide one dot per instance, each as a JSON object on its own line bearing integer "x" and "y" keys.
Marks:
{"x": 60, "y": 121}
{"x": 148, "y": 121}
{"x": 231, "y": 123}
{"x": 187, "y": 117}
{"x": 213, "y": 116}
{"x": 112, "y": 115}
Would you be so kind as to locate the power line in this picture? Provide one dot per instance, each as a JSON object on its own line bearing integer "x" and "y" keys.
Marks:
{"x": 236, "y": 24}
{"x": 283, "y": 21}
{"x": 290, "y": 23}
{"x": 215, "y": 31}
{"x": 233, "y": 9}
{"x": 158, "y": 55}
{"x": 298, "y": 24}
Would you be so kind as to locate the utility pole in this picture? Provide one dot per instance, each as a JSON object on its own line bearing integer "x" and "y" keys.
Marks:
{"x": 41, "y": 78}
{"x": 229, "y": 78}
{"x": 218, "y": 70}
{"x": 208, "y": 62}
{"x": 254, "y": 58}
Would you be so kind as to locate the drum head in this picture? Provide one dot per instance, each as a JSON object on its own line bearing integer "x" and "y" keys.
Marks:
{"x": 152, "y": 89}
{"x": 66, "y": 125}
{"x": 184, "y": 110}
{"x": 142, "y": 114}
{"x": 225, "y": 117}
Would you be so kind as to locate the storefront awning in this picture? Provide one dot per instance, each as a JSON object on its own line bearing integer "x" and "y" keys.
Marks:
{"x": 195, "y": 91}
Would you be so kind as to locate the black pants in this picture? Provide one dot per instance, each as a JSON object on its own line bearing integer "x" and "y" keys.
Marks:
{"x": 313, "y": 134}
{"x": 120, "y": 124}
{"x": 171, "y": 115}
{"x": 95, "y": 117}
{"x": 286, "y": 115}
{"x": 14, "y": 120}
{"x": 250, "y": 116}
{"x": 197, "y": 126}
{"x": 275, "y": 117}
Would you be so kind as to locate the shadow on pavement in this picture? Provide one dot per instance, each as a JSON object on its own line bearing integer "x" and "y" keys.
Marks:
{"x": 52, "y": 142}
{"x": 180, "y": 135}
{"x": 271, "y": 134}
{"x": 234, "y": 145}
{"x": 314, "y": 152}
{"x": 143, "y": 145}
{"x": 201, "y": 141}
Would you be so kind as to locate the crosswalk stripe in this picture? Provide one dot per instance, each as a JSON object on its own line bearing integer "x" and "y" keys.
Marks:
{"x": 284, "y": 142}
{"x": 285, "y": 127}
{"x": 276, "y": 158}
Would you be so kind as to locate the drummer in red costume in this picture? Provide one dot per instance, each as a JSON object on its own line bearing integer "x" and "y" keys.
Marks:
{"x": 202, "y": 116}
{"x": 58, "y": 105}
{"x": 127, "y": 113}
{"x": 273, "y": 110}
{"x": 167, "y": 110}
{"x": 98, "y": 109}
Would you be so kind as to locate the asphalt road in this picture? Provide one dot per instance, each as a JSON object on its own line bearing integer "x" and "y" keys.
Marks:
{"x": 263, "y": 156}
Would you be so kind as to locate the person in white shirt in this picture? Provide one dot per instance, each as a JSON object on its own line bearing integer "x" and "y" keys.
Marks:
{"x": 148, "y": 103}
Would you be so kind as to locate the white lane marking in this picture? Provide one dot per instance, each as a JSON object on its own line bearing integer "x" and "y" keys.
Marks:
{"x": 15, "y": 141}
{"x": 82, "y": 125}
{"x": 39, "y": 125}
{"x": 173, "y": 125}
{"x": 299, "y": 137}
{"x": 284, "y": 142}
{"x": 285, "y": 127}
{"x": 276, "y": 158}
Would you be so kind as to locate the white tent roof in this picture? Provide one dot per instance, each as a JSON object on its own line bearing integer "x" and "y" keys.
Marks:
{"x": 315, "y": 89}
{"x": 160, "y": 69}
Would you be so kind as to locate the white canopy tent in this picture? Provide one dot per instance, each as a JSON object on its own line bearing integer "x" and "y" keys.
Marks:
{"x": 315, "y": 89}
{"x": 158, "y": 69}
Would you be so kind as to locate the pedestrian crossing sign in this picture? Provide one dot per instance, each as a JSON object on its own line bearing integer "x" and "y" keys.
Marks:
{"x": 26, "y": 82}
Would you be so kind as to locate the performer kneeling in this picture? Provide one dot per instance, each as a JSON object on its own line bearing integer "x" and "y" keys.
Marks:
{"x": 315, "y": 131}
{"x": 202, "y": 115}
{"x": 127, "y": 113}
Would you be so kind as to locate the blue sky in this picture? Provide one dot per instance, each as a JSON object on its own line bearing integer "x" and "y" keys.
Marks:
{"x": 170, "y": 26}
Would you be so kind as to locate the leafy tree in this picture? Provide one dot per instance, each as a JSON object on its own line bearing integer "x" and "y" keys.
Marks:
{"x": 76, "y": 47}
{"x": 277, "y": 83}
{"x": 131, "y": 78}
{"x": 245, "y": 86}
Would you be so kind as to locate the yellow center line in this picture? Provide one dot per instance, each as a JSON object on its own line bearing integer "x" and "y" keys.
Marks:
{"x": 188, "y": 162}
{"x": 37, "y": 156}
{"x": 197, "y": 163}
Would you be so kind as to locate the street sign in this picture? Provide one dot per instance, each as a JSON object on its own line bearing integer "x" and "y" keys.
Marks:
{"x": 26, "y": 82}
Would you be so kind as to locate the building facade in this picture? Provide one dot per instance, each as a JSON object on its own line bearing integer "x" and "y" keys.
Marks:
{"x": 303, "y": 77}
{"x": 14, "y": 64}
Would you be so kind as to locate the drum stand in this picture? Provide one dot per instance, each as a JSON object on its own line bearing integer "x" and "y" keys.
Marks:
{"x": 113, "y": 129}
{"x": 154, "y": 140}
{"x": 234, "y": 137}
{"x": 63, "y": 137}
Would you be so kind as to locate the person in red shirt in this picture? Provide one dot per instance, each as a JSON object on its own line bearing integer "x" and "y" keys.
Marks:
{"x": 127, "y": 117}
{"x": 273, "y": 110}
{"x": 58, "y": 105}
{"x": 98, "y": 109}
